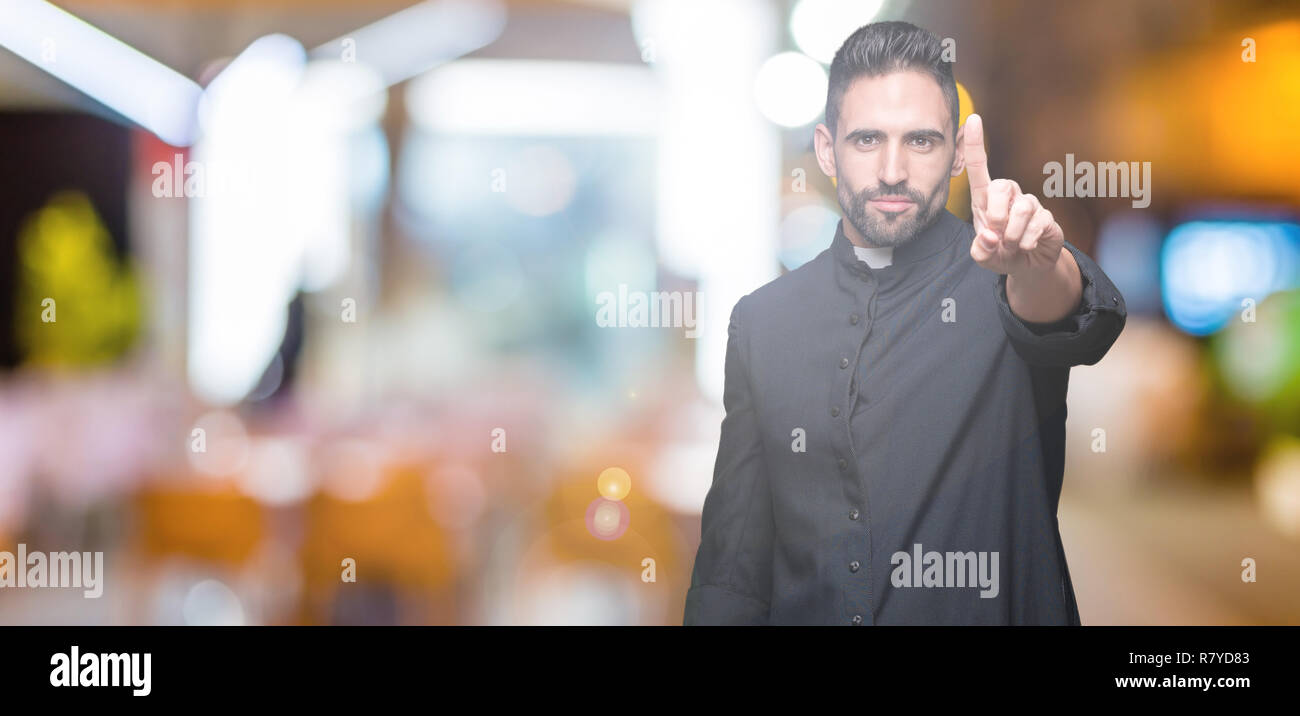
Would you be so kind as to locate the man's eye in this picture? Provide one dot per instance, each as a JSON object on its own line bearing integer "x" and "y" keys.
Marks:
{"x": 923, "y": 141}
{"x": 864, "y": 140}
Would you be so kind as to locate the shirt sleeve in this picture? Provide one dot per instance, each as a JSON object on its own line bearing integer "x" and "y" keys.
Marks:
{"x": 731, "y": 582}
{"x": 1081, "y": 338}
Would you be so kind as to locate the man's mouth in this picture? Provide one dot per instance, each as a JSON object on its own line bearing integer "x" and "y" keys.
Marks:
{"x": 892, "y": 204}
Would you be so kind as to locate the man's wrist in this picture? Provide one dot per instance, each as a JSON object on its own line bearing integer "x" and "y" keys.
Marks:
{"x": 1046, "y": 295}
{"x": 1034, "y": 276}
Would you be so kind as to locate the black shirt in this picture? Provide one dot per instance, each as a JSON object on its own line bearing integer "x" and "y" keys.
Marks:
{"x": 876, "y": 416}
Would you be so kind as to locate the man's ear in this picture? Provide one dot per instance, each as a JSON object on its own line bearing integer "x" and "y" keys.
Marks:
{"x": 824, "y": 147}
{"x": 959, "y": 153}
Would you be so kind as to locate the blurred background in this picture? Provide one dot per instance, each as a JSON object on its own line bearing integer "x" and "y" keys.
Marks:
{"x": 317, "y": 312}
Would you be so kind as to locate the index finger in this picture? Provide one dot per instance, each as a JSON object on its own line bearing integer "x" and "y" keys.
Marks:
{"x": 977, "y": 161}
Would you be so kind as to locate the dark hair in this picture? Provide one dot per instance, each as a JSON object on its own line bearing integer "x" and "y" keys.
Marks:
{"x": 882, "y": 48}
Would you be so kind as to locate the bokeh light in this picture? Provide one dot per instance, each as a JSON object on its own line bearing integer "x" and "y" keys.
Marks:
{"x": 819, "y": 27}
{"x": 1209, "y": 268}
{"x": 607, "y": 519}
{"x": 614, "y": 483}
{"x": 790, "y": 89}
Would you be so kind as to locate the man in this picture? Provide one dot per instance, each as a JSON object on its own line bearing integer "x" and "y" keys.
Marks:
{"x": 894, "y": 439}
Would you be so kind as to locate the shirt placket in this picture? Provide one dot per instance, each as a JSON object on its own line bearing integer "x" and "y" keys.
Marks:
{"x": 858, "y": 597}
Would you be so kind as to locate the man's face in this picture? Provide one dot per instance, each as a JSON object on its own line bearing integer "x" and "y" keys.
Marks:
{"x": 893, "y": 156}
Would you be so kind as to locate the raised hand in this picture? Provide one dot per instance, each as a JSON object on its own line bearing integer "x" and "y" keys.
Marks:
{"x": 1014, "y": 234}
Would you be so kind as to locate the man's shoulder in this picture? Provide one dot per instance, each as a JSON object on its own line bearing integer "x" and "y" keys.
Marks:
{"x": 807, "y": 283}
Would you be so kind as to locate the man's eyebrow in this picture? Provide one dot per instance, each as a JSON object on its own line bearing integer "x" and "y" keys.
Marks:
{"x": 933, "y": 135}
{"x": 862, "y": 134}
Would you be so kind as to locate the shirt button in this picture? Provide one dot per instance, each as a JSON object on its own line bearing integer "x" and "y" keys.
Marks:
{"x": 853, "y": 566}
{"x": 844, "y": 362}
{"x": 853, "y": 319}
{"x": 843, "y": 464}
{"x": 853, "y": 513}
{"x": 835, "y": 412}
{"x": 857, "y": 619}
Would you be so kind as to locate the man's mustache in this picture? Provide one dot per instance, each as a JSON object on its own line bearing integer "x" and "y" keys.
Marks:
{"x": 886, "y": 190}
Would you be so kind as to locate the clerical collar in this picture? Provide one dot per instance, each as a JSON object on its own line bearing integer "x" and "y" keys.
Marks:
{"x": 934, "y": 238}
{"x": 874, "y": 257}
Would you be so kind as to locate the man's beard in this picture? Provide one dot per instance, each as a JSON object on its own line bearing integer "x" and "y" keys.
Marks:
{"x": 891, "y": 229}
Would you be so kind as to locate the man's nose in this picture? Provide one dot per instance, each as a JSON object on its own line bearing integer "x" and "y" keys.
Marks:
{"x": 894, "y": 168}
